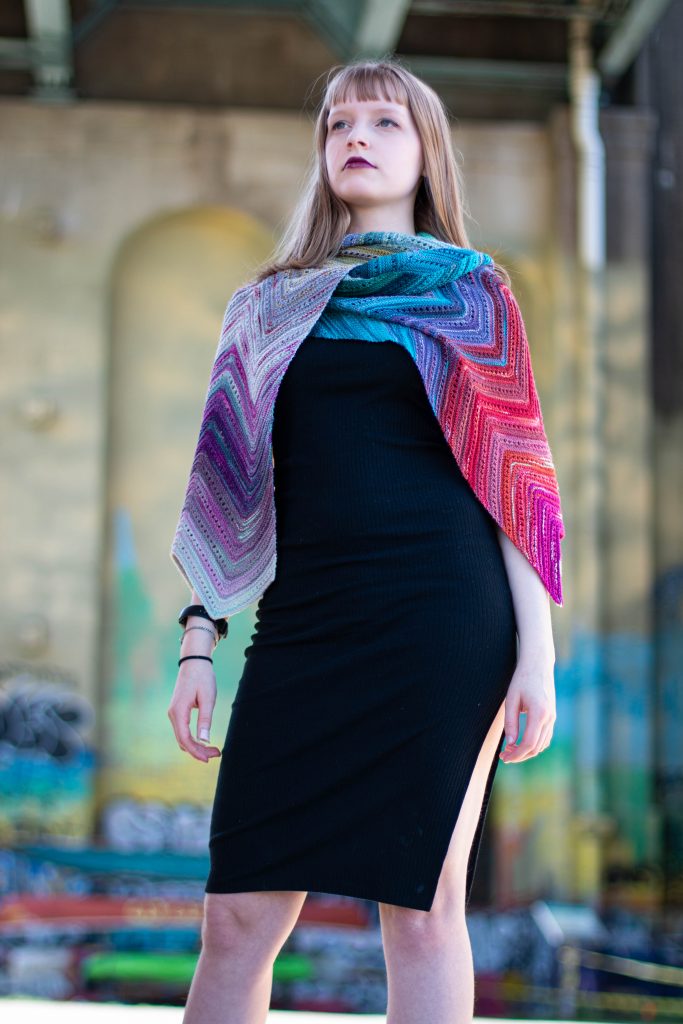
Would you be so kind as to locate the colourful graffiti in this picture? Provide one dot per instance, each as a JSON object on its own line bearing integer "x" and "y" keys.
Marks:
{"x": 143, "y": 763}
{"x": 128, "y": 824}
{"x": 46, "y": 761}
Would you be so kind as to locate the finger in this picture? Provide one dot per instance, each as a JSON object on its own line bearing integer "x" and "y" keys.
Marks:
{"x": 547, "y": 736}
{"x": 204, "y": 716}
{"x": 173, "y": 716}
{"x": 512, "y": 731}
{"x": 532, "y": 731}
{"x": 187, "y": 743}
{"x": 197, "y": 750}
{"x": 511, "y": 721}
{"x": 203, "y": 734}
{"x": 540, "y": 730}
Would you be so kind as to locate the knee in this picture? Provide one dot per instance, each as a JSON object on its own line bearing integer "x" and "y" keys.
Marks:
{"x": 416, "y": 932}
{"x": 233, "y": 927}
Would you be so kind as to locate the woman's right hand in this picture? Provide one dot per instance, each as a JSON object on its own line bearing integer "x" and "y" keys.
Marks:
{"x": 195, "y": 688}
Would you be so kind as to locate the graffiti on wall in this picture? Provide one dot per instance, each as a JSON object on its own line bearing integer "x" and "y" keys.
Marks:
{"x": 151, "y": 826}
{"x": 46, "y": 760}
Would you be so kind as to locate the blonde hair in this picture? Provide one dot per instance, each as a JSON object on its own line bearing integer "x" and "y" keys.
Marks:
{"x": 320, "y": 219}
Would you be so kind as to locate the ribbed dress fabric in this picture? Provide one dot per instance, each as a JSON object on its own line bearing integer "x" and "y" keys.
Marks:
{"x": 382, "y": 650}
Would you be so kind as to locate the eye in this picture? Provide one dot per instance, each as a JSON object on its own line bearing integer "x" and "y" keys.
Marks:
{"x": 333, "y": 126}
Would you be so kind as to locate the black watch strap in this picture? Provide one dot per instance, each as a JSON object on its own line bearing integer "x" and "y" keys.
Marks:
{"x": 199, "y": 609}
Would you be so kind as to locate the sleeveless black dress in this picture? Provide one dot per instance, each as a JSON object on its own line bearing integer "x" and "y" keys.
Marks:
{"x": 382, "y": 650}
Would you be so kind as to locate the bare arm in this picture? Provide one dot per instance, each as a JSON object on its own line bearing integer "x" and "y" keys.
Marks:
{"x": 195, "y": 687}
{"x": 532, "y": 688}
{"x": 531, "y": 602}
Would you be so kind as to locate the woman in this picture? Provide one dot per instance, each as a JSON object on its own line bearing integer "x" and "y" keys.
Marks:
{"x": 404, "y": 631}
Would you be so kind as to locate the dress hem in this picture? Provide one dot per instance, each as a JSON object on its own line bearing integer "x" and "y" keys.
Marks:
{"x": 288, "y": 882}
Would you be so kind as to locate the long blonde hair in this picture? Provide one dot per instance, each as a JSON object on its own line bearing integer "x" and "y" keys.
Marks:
{"x": 320, "y": 219}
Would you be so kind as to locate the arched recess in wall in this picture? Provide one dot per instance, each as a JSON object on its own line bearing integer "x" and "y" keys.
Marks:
{"x": 170, "y": 284}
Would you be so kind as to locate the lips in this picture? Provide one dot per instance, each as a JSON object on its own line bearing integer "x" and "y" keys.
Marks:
{"x": 357, "y": 161}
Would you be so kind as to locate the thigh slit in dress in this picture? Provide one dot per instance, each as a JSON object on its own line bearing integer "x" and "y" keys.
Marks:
{"x": 382, "y": 649}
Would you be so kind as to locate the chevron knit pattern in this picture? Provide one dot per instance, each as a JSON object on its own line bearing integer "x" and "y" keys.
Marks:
{"x": 463, "y": 328}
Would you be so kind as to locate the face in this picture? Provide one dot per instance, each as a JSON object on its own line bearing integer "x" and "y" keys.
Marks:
{"x": 380, "y": 196}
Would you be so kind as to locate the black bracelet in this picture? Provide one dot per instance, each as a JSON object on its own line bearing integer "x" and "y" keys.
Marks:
{"x": 221, "y": 624}
{"x": 204, "y": 657}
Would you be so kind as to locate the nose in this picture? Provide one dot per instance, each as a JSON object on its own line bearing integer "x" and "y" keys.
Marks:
{"x": 356, "y": 135}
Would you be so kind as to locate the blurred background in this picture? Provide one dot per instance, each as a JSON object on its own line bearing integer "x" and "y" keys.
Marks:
{"x": 151, "y": 151}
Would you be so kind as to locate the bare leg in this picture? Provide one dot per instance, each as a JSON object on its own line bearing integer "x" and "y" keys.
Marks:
{"x": 430, "y": 971}
{"x": 242, "y": 933}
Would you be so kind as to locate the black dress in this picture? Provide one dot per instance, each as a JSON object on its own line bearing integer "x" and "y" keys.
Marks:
{"x": 382, "y": 650}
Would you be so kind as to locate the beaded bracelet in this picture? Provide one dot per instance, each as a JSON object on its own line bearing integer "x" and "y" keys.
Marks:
{"x": 205, "y": 629}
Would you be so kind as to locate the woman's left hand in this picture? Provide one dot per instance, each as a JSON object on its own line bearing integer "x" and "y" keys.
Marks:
{"x": 531, "y": 690}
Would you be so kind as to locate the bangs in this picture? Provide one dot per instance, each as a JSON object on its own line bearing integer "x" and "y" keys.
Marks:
{"x": 363, "y": 82}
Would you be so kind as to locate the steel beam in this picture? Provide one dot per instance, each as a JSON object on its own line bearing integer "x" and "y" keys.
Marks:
{"x": 379, "y": 28}
{"x": 490, "y": 73}
{"x": 49, "y": 51}
{"x": 629, "y": 35}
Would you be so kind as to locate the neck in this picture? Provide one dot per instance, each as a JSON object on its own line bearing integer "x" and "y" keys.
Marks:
{"x": 373, "y": 220}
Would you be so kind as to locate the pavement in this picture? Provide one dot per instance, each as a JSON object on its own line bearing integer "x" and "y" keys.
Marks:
{"x": 34, "y": 1011}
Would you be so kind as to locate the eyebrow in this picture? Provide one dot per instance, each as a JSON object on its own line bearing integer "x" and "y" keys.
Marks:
{"x": 376, "y": 108}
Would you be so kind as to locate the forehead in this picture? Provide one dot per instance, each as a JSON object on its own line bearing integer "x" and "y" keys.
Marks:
{"x": 369, "y": 104}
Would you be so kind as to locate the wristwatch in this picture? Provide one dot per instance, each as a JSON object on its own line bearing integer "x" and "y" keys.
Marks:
{"x": 199, "y": 609}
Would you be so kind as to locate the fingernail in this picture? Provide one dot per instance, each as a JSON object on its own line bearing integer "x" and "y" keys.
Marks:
{"x": 204, "y": 734}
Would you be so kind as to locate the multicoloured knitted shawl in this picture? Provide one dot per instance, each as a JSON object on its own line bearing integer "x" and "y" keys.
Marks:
{"x": 461, "y": 324}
